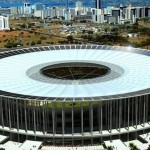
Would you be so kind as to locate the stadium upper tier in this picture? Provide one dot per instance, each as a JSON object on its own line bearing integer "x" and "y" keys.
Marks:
{"x": 112, "y": 72}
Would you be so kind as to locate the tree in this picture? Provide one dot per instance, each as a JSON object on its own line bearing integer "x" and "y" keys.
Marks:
{"x": 115, "y": 31}
{"x": 106, "y": 30}
{"x": 70, "y": 38}
{"x": 76, "y": 42}
{"x": 43, "y": 38}
{"x": 109, "y": 148}
{"x": 12, "y": 44}
{"x": 135, "y": 27}
{"x": 39, "y": 42}
{"x": 90, "y": 32}
{"x": 89, "y": 37}
{"x": 145, "y": 31}
{"x": 83, "y": 31}
{"x": 132, "y": 146}
{"x": 32, "y": 43}
{"x": 23, "y": 25}
{"x": 148, "y": 147}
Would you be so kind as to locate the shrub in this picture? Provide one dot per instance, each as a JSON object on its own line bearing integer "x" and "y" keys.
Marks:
{"x": 39, "y": 42}
{"x": 43, "y": 38}
{"x": 32, "y": 43}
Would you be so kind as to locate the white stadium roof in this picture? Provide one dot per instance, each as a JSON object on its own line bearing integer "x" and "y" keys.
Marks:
{"x": 14, "y": 76}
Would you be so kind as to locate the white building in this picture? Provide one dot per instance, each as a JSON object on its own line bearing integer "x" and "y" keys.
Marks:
{"x": 67, "y": 16}
{"x": 97, "y": 15}
{"x": 27, "y": 8}
{"x": 47, "y": 13}
{"x": 4, "y": 23}
{"x": 79, "y": 5}
{"x": 14, "y": 10}
{"x": 38, "y": 6}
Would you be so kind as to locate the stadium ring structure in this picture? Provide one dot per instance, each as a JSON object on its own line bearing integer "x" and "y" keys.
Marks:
{"x": 75, "y": 94}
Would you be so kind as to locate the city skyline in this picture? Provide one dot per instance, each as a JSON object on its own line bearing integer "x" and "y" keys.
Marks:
{"x": 71, "y": 3}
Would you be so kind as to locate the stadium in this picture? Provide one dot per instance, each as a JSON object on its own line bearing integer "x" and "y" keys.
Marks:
{"x": 74, "y": 94}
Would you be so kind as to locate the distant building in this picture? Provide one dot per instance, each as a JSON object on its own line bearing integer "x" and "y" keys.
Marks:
{"x": 111, "y": 19}
{"x": 120, "y": 15}
{"x": 79, "y": 4}
{"x": 147, "y": 11}
{"x": 38, "y": 7}
{"x": 4, "y": 23}
{"x": 116, "y": 13}
{"x": 67, "y": 16}
{"x": 27, "y": 8}
{"x": 14, "y": 10}
{"x": 47, "y": 13}
{"x": 87, "y": 18}
{"x": 98, "y": 4}
{"x": 139, "y": 12}
{"x": 97, "y": 16}
{"x": 133, "y": 15}
{"x": 72, "y": 11}
{"x": 39, "y": 13}
{"x": 4, "y": 11}
{"x": 21, "y": 10}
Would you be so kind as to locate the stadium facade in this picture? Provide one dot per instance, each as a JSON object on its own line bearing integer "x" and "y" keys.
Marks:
{"x": 75, "y": 94}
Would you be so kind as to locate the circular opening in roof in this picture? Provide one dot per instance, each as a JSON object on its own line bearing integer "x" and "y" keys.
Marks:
{"x": 89, "y": 75}
{"x": 75, "y": 71}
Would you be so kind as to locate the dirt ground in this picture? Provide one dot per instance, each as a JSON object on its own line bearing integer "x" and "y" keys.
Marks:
{"x": 27, "y": 38}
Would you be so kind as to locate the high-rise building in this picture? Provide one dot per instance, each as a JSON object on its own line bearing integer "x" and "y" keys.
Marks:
{"x": 79, "y": 8}
{"x": 4, "y": 23}
{"x": 27, "y": 8}
{"x": 26, "y": 4}
{"x": 133, "y": 15}
{"x": 79, "y": 4}
{"x": 147, "y": 11}
{"x": 14, "y": 10}
{"x": 98, "y": 4}
{"x": 38, "y": 6}
{"x": 4, "y": 11}
{"x": 116, "y": 13}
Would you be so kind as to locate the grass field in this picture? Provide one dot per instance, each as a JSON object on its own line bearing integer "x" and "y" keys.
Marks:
{"x": 60, "y": 104}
